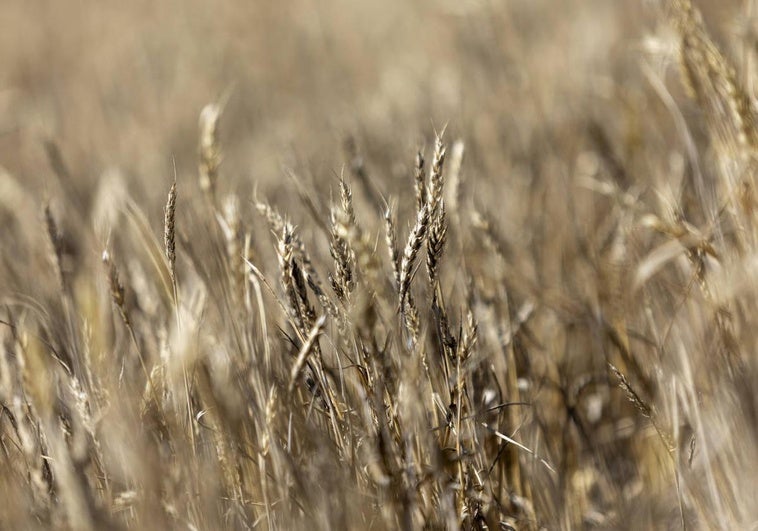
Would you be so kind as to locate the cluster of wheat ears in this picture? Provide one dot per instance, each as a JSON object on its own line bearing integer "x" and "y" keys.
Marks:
{"x": 363, "y": 372}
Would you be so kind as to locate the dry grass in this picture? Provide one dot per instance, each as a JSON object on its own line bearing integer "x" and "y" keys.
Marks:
{"x": 542, "y": 316}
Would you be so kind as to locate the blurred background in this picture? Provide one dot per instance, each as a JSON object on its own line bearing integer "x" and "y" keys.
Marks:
{"x": 121, "y": 84}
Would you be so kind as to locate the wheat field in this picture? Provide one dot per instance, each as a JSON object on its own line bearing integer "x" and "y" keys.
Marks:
{"x": 378, "y": 265}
